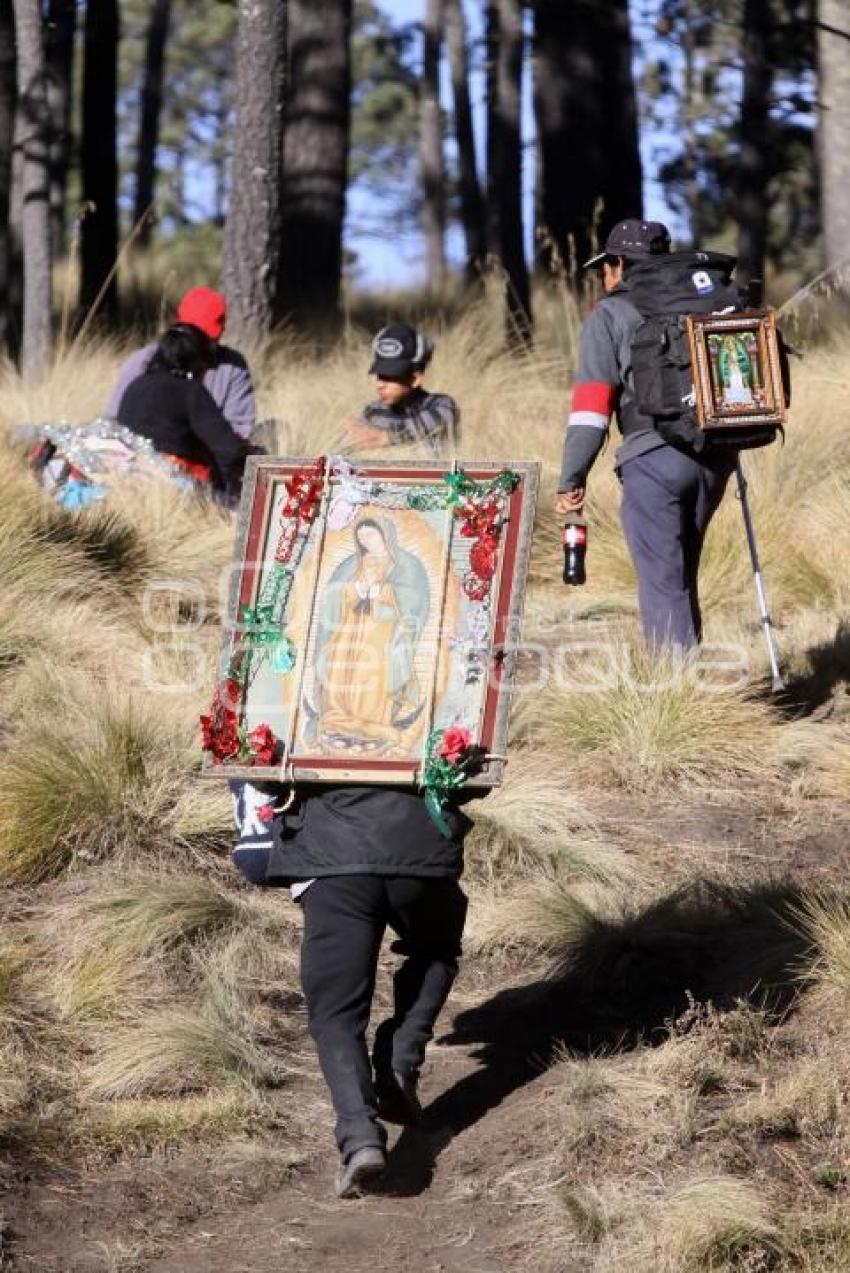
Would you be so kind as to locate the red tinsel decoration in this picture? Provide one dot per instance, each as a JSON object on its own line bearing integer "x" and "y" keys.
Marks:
{"x": 303, "y": 493}
{"x": 220, "y": 729}
{"x": 481, "y": 521}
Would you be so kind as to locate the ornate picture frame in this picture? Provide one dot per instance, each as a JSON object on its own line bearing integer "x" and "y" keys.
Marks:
{"x": 737, "y": 369}
{"x": 371, "y": 610}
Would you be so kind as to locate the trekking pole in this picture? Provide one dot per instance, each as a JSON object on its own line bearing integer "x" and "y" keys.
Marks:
{"x": 766, "y": 623}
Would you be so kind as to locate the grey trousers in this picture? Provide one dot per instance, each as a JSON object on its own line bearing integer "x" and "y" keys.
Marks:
{"x": 668, "y": 501}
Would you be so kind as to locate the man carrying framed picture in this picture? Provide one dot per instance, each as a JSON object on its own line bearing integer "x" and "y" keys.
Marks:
{"x": 670, "y": 489}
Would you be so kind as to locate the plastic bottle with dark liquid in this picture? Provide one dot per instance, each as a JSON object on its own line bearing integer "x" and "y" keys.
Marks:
{"x": 575, "y": 547}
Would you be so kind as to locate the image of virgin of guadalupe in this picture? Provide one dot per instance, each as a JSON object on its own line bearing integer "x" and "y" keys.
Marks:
{"x": 736, "y": 371}
{"x": 371, "y": 615}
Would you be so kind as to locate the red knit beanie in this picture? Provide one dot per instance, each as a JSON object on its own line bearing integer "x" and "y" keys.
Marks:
{"x": 205, "y": 309}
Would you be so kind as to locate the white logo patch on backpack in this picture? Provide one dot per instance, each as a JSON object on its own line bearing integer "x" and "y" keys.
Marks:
{"x": 702, "y": 281}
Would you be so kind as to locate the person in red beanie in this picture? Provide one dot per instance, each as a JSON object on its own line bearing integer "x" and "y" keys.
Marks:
{"x": 227, "y": 379}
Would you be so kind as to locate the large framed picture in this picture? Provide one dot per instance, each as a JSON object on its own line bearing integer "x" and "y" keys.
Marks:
{"x": 737, "y": 369}
{"x": 372, "y": 610}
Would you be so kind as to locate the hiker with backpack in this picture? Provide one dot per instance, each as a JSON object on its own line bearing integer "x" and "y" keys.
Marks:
{"x": 672, "y": 480}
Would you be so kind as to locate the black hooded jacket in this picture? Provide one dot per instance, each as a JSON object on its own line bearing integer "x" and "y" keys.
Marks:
{"x": 350, "y": 830}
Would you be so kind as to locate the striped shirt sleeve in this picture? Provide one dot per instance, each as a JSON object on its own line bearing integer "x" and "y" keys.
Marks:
{"x": 594, "y": 397}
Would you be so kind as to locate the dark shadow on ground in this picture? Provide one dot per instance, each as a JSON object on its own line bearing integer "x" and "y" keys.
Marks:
{"x": 620, "y": 983}
{"x": 830, "y": 667}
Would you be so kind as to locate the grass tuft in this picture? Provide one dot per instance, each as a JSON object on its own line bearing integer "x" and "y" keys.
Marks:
{"x": 181, "y": 1049}
{"x": 144, "y": 1126}
{"x": 97, "y": 777}
{"x": 715, "y": 1223}
{"x": 119, "y": 931}
{"x": 824, "y": 920}
{"x": 654, "y": 722}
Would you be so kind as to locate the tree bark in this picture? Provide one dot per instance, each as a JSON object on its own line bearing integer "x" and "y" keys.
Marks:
{"x": 99, "y": 238}
{"x": 315, "y": 160}
{"x": 834, "y": 128}
{"x": 586, "y": 111}
{"x": 505, "y": 155}
{"x": 252, "y": 233}
{"x": 34, "y": 137}
{"x": 431, "y": 148}
{"x": 61, "y": 28}
{"x": 149, "y": 116}
{"x": 471, "y": 201}
{"x": 7, "y": 135}
{"x": 754, "y": 166}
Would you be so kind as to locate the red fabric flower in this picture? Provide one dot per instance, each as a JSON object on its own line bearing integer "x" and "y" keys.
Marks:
{"x": 263, "y": 745}
{"x": 266, "y": 813}
{"x": 220, "y": 733}
{"x": 456, "y": 743}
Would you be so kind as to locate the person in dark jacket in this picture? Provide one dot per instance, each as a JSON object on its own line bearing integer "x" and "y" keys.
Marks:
{"x": 669, "y": 494}
{"x": 169, "y": 404}
{"x": 360, "y": 860}
{"x": 405, "y": 412}
{"x": 226, "y": 374}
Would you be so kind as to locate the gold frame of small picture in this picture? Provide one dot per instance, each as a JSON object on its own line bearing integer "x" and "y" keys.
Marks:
{"x": 737, "y": 369}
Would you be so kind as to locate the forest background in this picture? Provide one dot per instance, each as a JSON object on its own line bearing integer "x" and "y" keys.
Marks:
{"x": 280, "y": 142}
{"x": 646, "y": 1059}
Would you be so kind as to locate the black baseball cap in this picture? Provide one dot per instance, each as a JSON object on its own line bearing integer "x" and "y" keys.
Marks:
{"x": 398, "y": 350}
{"x": 633, "y": 240}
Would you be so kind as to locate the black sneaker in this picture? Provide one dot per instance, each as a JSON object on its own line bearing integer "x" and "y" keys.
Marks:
{"x": 398, "y": 1101}
{"x": 363, "y": 1168}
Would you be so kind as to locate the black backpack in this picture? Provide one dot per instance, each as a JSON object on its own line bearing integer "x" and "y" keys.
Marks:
{"x": 665, "y": 289}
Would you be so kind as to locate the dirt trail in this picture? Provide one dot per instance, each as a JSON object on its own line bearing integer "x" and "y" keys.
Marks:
{"x": 462, "y": 1192}
{"x": 444, "y": 1206}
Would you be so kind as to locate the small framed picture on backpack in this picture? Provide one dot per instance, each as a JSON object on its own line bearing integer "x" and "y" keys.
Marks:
{"x": 737, "y": 370}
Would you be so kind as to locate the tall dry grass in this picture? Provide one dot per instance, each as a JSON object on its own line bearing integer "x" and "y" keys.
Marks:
{"x": 160, "y": 1000}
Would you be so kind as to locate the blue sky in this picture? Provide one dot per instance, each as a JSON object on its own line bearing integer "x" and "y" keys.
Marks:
{"x": 389, "y": 261}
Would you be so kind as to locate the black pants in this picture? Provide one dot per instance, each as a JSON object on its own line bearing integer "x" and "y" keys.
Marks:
{"x": 345, "y": 917}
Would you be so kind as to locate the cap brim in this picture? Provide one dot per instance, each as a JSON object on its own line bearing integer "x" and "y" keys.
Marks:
{"x": 390, "y": 367}
{"x": 594, "y": 260}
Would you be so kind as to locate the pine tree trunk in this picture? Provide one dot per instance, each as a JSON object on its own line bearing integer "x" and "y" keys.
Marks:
{"x": 754, "y": 161}
{"x": 7, "y": 134}
{"x": 99, "y": 246}
{"x": 506, "y": 174}
{"x": 491, "y": 107}
{"x": 252, "y": 233}
{"x": 431, "y": 148}
{"x": 471, "y": 201}
{"x": 834, "y": 127}
{"x": 622, "y": 190}
{"x": 315, "y": 160}
{"x": 220, "y": 157}
{"x": 586, "y": 109}
{"x": 61, "y": 28}
{"x": 149, "y": 116}
{"x": 34, "y": 135}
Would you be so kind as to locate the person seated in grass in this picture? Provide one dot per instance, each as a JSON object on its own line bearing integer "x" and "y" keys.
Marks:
{"x": 226, "y": 376}
{"x": 405, "y": 412}
{"x": 170, "y": 405}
